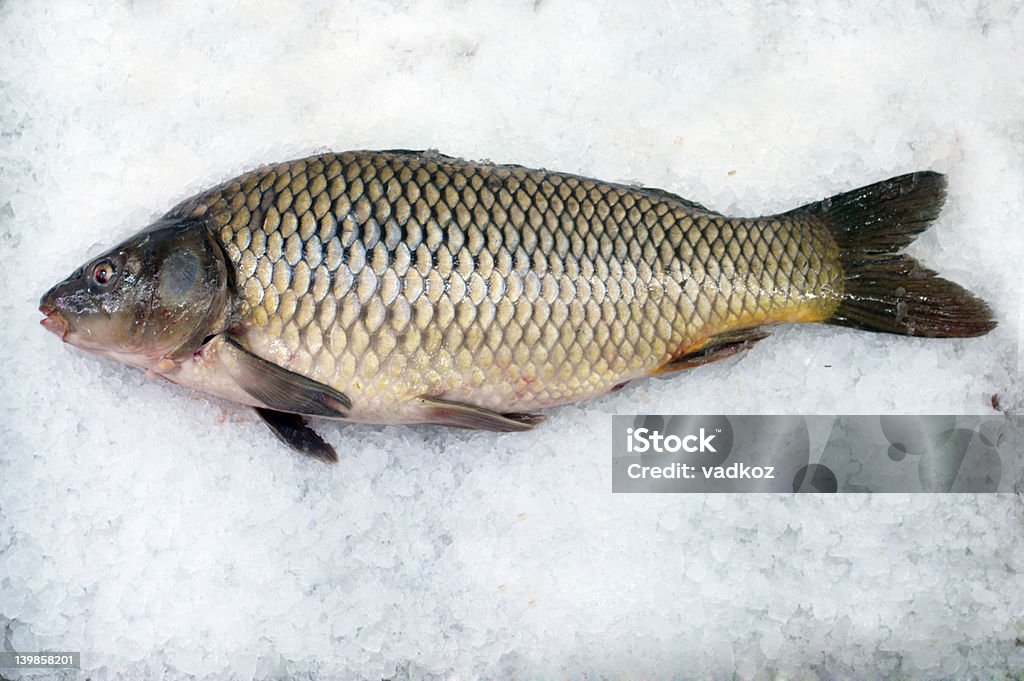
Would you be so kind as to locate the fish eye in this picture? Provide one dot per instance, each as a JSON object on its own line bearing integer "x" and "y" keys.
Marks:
{"x": 103, "y": 272}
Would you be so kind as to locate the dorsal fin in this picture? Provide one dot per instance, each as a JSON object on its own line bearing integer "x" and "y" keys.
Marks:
{"x": 429, "y": 154}
{"x": 653, "y": 192}
{"x": 664, "y": 195}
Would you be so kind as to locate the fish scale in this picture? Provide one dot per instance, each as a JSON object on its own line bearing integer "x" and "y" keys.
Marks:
{"x": 389, "y": 275}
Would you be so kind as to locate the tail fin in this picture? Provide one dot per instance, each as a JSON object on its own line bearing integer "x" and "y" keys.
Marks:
{"x": 888, "y": 291}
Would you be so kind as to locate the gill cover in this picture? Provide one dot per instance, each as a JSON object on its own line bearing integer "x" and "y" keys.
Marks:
{"x": 189, "y": 300}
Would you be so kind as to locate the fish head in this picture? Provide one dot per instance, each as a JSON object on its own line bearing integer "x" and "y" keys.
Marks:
{"x": 157, "y": 295}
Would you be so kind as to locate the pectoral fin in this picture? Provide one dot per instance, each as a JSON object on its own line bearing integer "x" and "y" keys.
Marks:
{"x": 714, "y": 349}
{"x": 293, "y": 431}
{"x": 459, "y": 415}
{"x": 279, "y": 389}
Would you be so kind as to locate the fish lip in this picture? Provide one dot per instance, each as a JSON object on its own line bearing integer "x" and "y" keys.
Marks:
{"x": 54, "y": 322}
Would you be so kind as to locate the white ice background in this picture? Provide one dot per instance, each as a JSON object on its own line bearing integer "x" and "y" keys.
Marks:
{"x": 168, "y": 535}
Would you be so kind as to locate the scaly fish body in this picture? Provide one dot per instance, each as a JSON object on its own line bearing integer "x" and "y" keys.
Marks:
{"x": 394, "y": 275}
{"x": 406, "y": 287}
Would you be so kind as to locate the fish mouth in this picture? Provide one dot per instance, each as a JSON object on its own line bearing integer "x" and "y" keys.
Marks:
{"x": 54, "y": 323}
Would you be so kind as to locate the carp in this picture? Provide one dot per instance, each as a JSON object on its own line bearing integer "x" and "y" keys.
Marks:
{"x": 412, "y": 287}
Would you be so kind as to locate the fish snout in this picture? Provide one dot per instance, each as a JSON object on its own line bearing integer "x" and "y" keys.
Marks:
{"x": 53, "y": 322}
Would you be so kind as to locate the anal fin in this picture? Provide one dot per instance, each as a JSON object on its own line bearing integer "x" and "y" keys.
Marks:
{"x": 293, "y": 431}
{"x": 459, "y": 415}
{"x": 716, "y": 348}
{"x": 279, "y": 389}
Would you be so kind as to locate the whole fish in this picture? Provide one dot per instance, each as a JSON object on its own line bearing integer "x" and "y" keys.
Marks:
{"x": 411, "y": 287}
